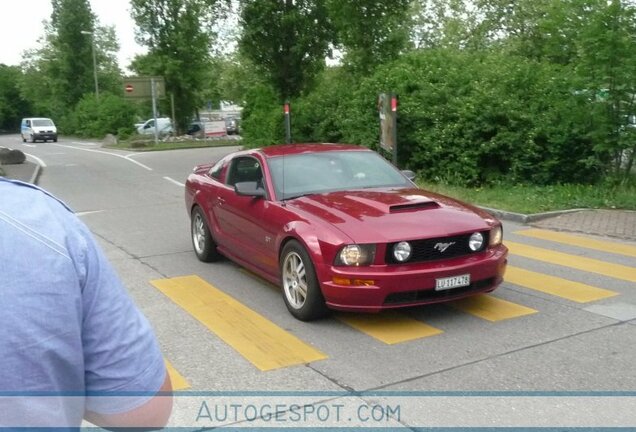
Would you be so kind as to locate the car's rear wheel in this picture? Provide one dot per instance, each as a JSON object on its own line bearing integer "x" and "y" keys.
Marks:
{"x": 204, "y": 246}
{"x": 301, "y": 290}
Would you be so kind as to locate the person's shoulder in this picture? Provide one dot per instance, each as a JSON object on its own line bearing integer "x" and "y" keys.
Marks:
{"x": 17, "y": 184}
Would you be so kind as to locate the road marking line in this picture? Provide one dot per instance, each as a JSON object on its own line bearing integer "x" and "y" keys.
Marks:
{"x": 129, "y": 159}
{"x": 257, "y": 339}
{"x": 28, "y": 145}
{"x": 174, "y": 181}
{"x": 584, "y": 242}
{"x": 491, "y": 308}
{"x": 616, "y": 271}
{"x": 178, "y": 381}
{"x": 389, "y": 327}
{"x": 88, "y": 212}
{"x": 556, "y": 286}
{"x": 37, "y": 159}
{"x": 92, "y": 144}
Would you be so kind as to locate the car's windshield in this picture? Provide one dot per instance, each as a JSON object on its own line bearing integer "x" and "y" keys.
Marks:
{"x": 42, "y": 122}
{"x": 310, "y": 173}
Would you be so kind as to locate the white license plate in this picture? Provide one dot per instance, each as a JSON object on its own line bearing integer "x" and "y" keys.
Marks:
{"x": 452, "y": 282}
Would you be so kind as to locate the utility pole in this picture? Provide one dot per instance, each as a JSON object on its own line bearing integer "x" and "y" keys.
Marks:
{"x": 92, "y": 34}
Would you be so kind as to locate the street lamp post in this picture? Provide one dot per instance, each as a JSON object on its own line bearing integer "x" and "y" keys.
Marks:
{"x": 94, "y": 61}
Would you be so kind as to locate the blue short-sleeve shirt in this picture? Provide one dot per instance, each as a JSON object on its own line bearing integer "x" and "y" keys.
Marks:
{"x": 67, "y": 324}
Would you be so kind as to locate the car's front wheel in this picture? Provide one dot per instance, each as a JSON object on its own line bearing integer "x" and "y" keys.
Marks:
{"x": 204, "y": 246}
{"x": 301, "y": 290}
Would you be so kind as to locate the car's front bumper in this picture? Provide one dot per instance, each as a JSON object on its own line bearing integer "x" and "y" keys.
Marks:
{"x": 395, "y": 286}
{"x": 45, "y": 136}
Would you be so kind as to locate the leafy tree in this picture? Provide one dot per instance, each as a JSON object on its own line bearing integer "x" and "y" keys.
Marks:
{"x": 286, "y": 40}
{"x": 71, "y": 68}
{"x": 607, "y": 71}
{"x": 178, "y": 34}
{"x": 371, "y": 32}
{"x": 12, "y": 105}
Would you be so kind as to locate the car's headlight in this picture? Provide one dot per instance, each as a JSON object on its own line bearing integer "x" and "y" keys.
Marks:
{"x": 476, "y": 241}
{"x": 402, "y": 251}
{"x": 356, "y": 255}
{"x": 496, "y": 236}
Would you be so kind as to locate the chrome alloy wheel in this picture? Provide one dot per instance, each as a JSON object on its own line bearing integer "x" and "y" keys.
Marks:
{"x": 198, "y": 233}
{"x": 294, "y": 280}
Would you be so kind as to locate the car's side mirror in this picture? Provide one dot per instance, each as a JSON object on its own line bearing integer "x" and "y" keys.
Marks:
{"x": 409, "y": 174}
{"x": 249, "y": 188}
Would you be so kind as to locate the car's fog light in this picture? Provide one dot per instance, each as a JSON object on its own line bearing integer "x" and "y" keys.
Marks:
{"x": 402, "y": 251}
{"x": 476, "y": 241}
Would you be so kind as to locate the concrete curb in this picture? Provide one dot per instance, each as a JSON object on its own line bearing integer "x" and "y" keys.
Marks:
{"x": 36, "y": 174}
{"x": 524, "y": 218}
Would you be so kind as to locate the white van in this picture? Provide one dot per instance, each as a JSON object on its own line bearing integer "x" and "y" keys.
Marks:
{"x": 38, "y": 128}
{"x": 164, "y": 127}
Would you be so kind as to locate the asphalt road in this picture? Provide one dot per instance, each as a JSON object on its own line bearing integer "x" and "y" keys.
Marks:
{"x": 564, "y": 320}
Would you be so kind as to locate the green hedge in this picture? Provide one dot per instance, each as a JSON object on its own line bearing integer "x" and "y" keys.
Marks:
{"x": 463, "y": 118}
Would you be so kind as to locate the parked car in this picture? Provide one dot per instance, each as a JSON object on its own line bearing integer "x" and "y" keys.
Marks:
{"x": 232, "y": 125}
{"x": 338, "y": 227}
{"x": 38, "y": 128}
{"x": 164, "y": 126}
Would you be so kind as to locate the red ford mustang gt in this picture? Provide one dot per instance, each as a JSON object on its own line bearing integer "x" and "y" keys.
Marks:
{"x": 338, "y": 227}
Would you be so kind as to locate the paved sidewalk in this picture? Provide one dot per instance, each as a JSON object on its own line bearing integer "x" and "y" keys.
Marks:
{"x": 612, "y": 223}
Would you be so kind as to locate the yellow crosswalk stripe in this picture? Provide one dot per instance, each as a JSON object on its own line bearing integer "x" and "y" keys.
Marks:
{"x": 178, "y": 381}
{"x": 616, "y": 271}
{"x": 556, "y": 286}
{"x": 584, "y": 242}
{"x": 389, "y": 327}
{"x": 258, "y": 340}
{"x": 491, "y": 308}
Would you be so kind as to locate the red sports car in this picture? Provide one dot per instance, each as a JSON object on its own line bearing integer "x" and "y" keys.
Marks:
{"x": 338, "y": 227}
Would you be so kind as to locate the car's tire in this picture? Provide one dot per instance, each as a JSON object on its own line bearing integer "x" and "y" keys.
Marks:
{"x": 301, "y": 290}
{"x": 55, "y": 139}
{"x": 202, "y": 241}
{"x": 33, "y": 138}
{"x": 23, "y": 139}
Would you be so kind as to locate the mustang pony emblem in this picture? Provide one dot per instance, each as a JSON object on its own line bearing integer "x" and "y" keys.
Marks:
{"x": 443, "y": 246}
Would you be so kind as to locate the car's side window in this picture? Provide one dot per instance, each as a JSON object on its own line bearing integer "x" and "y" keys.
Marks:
{"x": 245, "y": 169}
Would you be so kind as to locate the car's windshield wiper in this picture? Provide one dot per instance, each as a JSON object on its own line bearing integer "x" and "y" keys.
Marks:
{"x": 291, "y": 197}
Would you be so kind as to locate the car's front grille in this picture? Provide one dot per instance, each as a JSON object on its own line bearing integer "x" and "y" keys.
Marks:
{"x": 434, "y": 296}
{"x": 436, "y": 248}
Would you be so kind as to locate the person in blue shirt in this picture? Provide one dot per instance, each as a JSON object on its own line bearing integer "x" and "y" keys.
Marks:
{"x": 68, "y": 328}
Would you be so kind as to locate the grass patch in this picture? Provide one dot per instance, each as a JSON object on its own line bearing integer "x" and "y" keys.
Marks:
{"x": 537, "y": 199}
{"x": 143, "y": 144}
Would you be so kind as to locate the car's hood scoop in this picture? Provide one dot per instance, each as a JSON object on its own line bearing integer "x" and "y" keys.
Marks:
{"x": 423, "y": 205}
{"x": 392, "y": 214}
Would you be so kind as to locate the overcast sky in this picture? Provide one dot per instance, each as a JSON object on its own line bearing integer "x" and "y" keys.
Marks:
{"x": 20, "y": 27}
